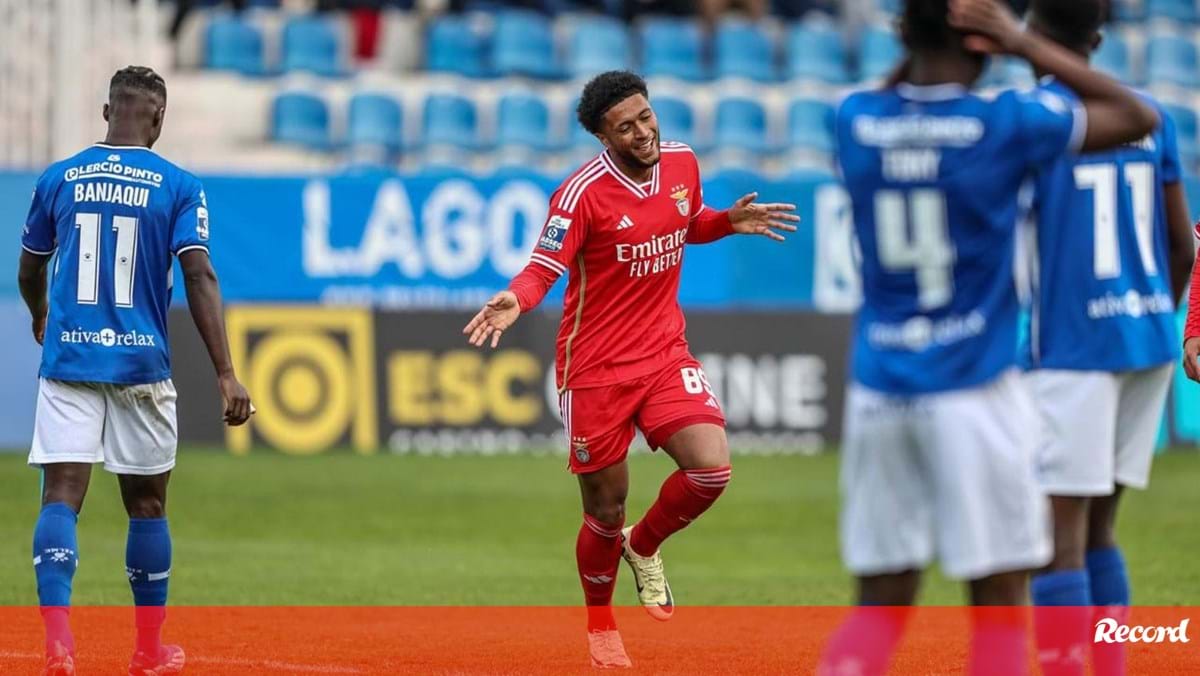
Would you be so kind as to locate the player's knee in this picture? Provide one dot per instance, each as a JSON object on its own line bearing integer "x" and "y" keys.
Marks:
{"x": 608, "y": 512}
{"x": 145, "y": 507}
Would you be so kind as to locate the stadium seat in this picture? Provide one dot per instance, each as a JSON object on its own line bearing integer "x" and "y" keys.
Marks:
{"x": 598, "y": 44}
{"x": 1171, "y": 59}
{"x": 1128, "y": 10}
{"x": 523, "y": 120}
{"x": 457, "y": 44}
{"x": 523, "y": 44}
{"x": 741, "y": 125}
{"x": 810, "y": 125}
{"x": 301, "y": 118}
{"x": 676, "y": 121}
{"x": 450, "y": 120}
{"x": 232, "y": 43}
{"x": 310, "y": 43}
{"x": 1187, "y": 132}
{"x": 815, "y": 52}
{"x": 879, "y": 53}
{"x": 375, "y": 120}
{"x": 1177, "y": 10}
{"x": 743, "y": 49}
{"x": 1113, "y": 57}
{"x": 672, "y": 48}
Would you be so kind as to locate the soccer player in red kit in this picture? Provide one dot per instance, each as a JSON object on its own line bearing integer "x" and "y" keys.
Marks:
{"x": 617, "y": 227}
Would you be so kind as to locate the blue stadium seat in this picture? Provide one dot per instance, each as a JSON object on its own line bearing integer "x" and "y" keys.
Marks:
{"x": 676, "y": 121}
{"x": 523, "y": 44}
{"x": 580, "y": 139}
{"x": 1187, "y": 132}
{"x": 1128, "y": 10}
{"x": 1113, "y": 57}
{"x": 741, "y": 124}
{"x": 523, "y": 120}
{"x": 1178, "y": 10}
{"x": 879, "y": 52}
{"x": 310, "y": 43}
{"x": 375, "y": 120}
{"x": 810, "y": 125}
{"x": 457, "y": 44}
{"x": 1171, "y": 59}
{"x": 816, "y": 52}
{"x": 598, "y": 44}
{"x": 743, "y": 49}
{"x": 232, "y": 43}
{"x": 300, "y": 118}
{"x": 673, "y": 48}
{"x": 450, "y": 120}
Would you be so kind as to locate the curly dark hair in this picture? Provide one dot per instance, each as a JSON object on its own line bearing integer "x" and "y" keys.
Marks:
{"x": 137, "y": 79}
{"x": 1070, "y": 22}
{"x": 926, "y": 25}
{"x": 605, "y": 91}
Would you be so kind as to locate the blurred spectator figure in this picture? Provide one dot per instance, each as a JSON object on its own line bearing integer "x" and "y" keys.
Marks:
{"x": 796, "y": 9}
{"x": 185, "y": 7}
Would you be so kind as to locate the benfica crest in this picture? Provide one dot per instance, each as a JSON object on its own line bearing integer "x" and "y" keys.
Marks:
{"x": 680, "y": 195}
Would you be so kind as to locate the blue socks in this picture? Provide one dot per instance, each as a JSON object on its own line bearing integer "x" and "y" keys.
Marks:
{"x": 148, "y": 564}
{"x": 1109, "y": 581}
{"x": 1062, "y": 588}
{"x": 55, "y": 554}
{"x": 55, "y": 557}
{"x": 1062, "y": 620}
{"x": 1110, "y": 591}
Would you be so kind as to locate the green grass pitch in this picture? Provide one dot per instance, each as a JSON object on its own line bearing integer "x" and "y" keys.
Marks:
{"x": 341, "y": 529}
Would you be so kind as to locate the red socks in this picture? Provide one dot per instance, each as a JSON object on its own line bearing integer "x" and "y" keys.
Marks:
{"x": 598, "y": 552}
{"x": 57, "y": 620}
{"x": 685, "y": 495}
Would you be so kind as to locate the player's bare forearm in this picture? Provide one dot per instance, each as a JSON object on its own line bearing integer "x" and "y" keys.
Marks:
{"x": 31, "y": 279}
{"x": 204, "y": 301}
{"x": 1181, "y": 252}
{"x": 1115, "y": 114}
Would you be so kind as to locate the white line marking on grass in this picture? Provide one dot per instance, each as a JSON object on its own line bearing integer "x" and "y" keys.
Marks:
{"x": 274, "y": 664}
{"x": 289, "y": 667}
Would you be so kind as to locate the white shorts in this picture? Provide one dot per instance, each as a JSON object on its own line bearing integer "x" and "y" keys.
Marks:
{"x": 948, "y": 475}
{"x": 130, "y": 428}
{"x": 1099, "y": 429}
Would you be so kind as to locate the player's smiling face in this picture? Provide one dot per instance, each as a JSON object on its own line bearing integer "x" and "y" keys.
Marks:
{"x": 630, "y": 131}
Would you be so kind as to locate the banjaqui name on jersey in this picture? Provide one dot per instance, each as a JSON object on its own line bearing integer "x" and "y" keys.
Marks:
{"x": 1102, "y": 295}
{"x": 114, "y": 217}
{"x": 934, "y": 175}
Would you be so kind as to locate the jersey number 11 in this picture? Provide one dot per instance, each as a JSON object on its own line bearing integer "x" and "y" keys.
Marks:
{"x": 123, "y": 263}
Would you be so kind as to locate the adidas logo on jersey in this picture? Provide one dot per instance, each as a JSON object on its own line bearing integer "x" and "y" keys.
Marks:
{"x": 712, "y": 403}
{"x": 626, "y": 222}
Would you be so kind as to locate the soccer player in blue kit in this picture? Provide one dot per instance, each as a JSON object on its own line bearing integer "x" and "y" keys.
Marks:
{"x": 111, "y": 219}
{"x": 940, "y": 431}
{"x": 1113, "y": 255}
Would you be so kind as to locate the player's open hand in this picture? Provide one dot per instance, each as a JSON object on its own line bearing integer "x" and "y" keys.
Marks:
{"x": 1191, "y": 351}
{"x": 237, "y": 400}
{"x": 991, "y": 26}
{"x": 39, "y": 329}
{"x": 494, "y": 319}
{"x": 751, "y": 218}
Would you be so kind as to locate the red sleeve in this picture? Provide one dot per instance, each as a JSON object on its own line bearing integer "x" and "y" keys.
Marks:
{"x": 562, "y": 237}
{"x": 1192, "y": 328}
{"x": 709, "y": 225}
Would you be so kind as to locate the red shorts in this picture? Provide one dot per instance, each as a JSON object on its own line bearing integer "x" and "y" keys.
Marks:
{"x": 601, "y": 421}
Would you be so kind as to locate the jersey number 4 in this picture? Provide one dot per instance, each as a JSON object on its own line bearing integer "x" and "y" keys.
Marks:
{"x": 123, "y": 265}
{"x": 1101, "y": 179}
{"x": 912, "y": 235}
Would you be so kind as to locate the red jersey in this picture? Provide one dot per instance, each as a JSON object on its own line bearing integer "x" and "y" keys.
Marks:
{"x": 622, "y": 245}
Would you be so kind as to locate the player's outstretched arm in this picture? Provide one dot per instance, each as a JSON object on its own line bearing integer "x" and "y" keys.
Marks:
{"x": 494, "y": 319}
{"x": 204, "y": 300}
{"x": 1181, "y": 250}
{"x": 1115, "y": 115}
{"x": 752, "y": 218}
{"x": 31, "y": 279}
